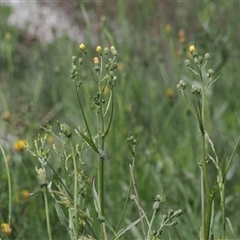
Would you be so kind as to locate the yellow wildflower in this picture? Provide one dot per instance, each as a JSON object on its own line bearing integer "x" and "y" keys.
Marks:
{"x": 6, "y": 230}
{"x": 25, "y": 194}
{"x": 96, "y": 60}
{"x": 169, "y": 93}
{"x": 20, "y": 145}
{"x": 82, "y": 47}
{"x": 99, "y": 50}
{"x": 7, "y": 116}
{"x": 181, "y": 35}
{"x": 114, "y": 51}
{"x": 120, "y": 66}
{"x": 192, "y": 49}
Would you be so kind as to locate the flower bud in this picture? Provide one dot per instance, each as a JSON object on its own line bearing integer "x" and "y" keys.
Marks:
{"x": 74, "y": 68}
{"x": 74, "y": 58}
{"x": 196, "y": 60}
{"x": 99, "y": 50}
{"x": 200, "y": 59}
{"x": 156, "y": 205}
{"x": 101, "y": 219}
{"x": 106, "y": 51}
{"x": 193, "y": 50}
{"x": 114, "y": 51}
{"x": 80, "y": 61}
{"x": 6, "y": 229}
{"x": 170, "y": 213}
{"x": 178, "y": 213}
{"x": 97, "y": 68}
{"x": 195, "y": 90}
{"x": 211, "y": 71}
{"x": 96, "y": 60}
{"x": 187, "y": 62}
{"x": 66, "y": 130}
{"x": 174, "y": 223}
{"x": 42, "y": 177}
{"x": 132, "y": 197}
{"x": 207, "y": 56}
{"x": 181, "y": 85}
{"x": 83, "y": 48}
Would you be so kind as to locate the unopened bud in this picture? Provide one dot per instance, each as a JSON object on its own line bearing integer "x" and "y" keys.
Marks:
{"x": 187, "y": 62}
{"x": 66, "y": 130}
{"x": 99, "y": 50}
{"x": 42, "y": 178}
{"x": 114, "y": 51}
{"x": 207, "y": 56}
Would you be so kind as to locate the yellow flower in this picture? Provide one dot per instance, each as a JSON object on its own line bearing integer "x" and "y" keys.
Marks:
{"x": 82, "y": 47}
{"x": 20, "y": 145}
{"x": 99, "y": 50}
{"x": 114, "y": 51}
{"x": 192, "y": 49}
{"x": 169, "y": 93}
{"x": 7, "y": 116}
{"x": 96, "y": 60}
{"x": 25, "y": 194}
{"x": 168, "y": 28}
{"x": 181, "y": 35}
{"x": 120, "y": 66}
{"x": 6, "y": 230}
{"x": 42, "y": 177}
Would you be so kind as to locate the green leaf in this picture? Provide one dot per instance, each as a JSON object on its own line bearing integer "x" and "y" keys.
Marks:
{"x": 124, "y": 230}
{"x": 89, "y": 141}
{"x": 61, "y": 214}
{"x": 96, "y": 197}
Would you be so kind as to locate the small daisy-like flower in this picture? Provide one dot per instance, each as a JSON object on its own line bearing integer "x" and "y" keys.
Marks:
{"x": 82, "y": 47}
{"x": 20, "y": 145}
{"x": 99, "y": 50}
{"x": 192, "y": 49}
{"x": 169, "y": 93}
{"x": 6, "y": 230}
{"x": 25, "y": 194}
{"x": 96, "y": 60}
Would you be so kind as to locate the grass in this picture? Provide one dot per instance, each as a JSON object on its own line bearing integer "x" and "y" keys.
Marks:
{"x": 36, "y": 87}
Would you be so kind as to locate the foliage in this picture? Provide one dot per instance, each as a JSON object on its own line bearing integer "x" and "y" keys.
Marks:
{"x": 152, "y": 40}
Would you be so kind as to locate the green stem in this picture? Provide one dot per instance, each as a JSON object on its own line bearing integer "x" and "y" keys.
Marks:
{"x": 47, "y": 212}
{"x": 75, "y": 192}
{"x": 9, "y": 188}
{"x": 101, "y": 154}
{"x": 150, "y": 224}
{"x": 223, "y": 212}
{"x": 125, "y": 206}
{"x": 206, "y": 226}
{"x": 137, "y": 201}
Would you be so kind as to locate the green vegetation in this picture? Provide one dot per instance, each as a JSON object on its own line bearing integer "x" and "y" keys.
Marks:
{"x": 97, "y": 141}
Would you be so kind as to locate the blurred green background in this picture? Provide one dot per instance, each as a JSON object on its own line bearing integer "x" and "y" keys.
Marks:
{"x": 152, "y": 40}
